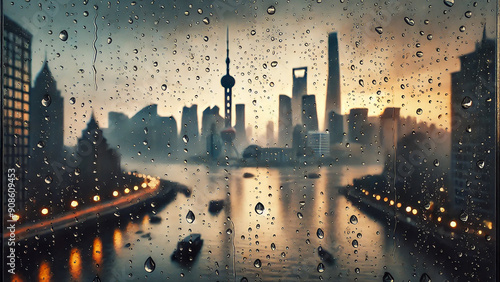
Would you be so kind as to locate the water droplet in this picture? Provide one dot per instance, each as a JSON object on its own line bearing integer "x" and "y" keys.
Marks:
{"x": 259, "y": 208}
{"x": 273, "y": 246}
{"x": 200, "y": 11}
{"x": 388, "y": 277}
{"x": 72, "y": 100}
{"x": 462, "y": 28}
{"x": 274, "y": 64}
{"x": 468, "y": 14}
{"x": 436, "y": 162}
{"x": 244, "y": 279}
{"x": 190, "y": 217}
{"x": 46, "y": 100}
{"x": 40, "y": 144}
{"x": 110, "y": 40}
{"x": 425, "y": 278}
{"x": 185, "y": 138}
{"x": 321, "y": 267}
{"x": 271, "y": 10}
{"x": 449, "y": 3}
{"x": 464, "y": 216}
{"x": 480, "y": 164}
{"x": 361, "y": 82}
{"x": 429, "y": 36}
{"x": 379, "y": 29}
{"x": 420, "y": 54}
{"x": 85, "y": 13}
{"x": 149, "y": 265}
{"x": 353, "y": 220}
{"x": 63, "y": 35}
{"x": 466, "y": 102}
{"x": 253, "y": 32}
{"x": 409, "y": 21}
{"x": 229, "y": 231}
{"x": 320, "y": 233}
{"x": 206, "y": 20}
{"x": 420, "y": 111}
{"x": 299, "y": 215}
{"x": 357, "y": 270}
{"x": 257, "y": 263}
{"x": 48, "y": 179}
{"x": 96, "y": 279}
{"x": 163, "y": 87}
{"x": 354, "y": 243}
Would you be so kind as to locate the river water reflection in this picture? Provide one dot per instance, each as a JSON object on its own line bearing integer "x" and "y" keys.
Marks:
{"x": 295, "y": 207}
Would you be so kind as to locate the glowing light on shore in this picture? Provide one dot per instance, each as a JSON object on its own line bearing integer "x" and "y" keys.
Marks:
{"x": 386, "y": 199}
{"x": 377, "y": 197}
{"x": 136, "y": 188}
{"x": 126, "y": 190}
{"x": 74, "y": 204}
{"x": 414, "y": 211}
{"x": 453, "y": 224}
{"x": 398, "y": 205}
{"x": 144, "y": 185}
{"x": 115, "y": 193}
{"x": 441, "y": 209}
{"x": 97, "y": 198}
{"x": 15, "y": 217}
{"x": 408, "y": 209}
{"x": 45, "y": 211}
{"x": 391, "y": 203}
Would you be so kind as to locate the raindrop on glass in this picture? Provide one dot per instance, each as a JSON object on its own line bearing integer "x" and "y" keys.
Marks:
{"x": 353, "y": 220}
{"x": 420, "y": 54}
{"x": 206, "y": 20}
{"x": 63, "y": 35}
{"x": 259, "y": 208}
{"x": 257, "y": 263}
{"x": 321, "y": 267}
{"x": 425, "y": 278}
{"x": 273, "y": 246}
{"x": 464, "y": 216}
{"x": 46, "y": 100}
{"x": 185, "y": 138}
{"x": 468, "y": 14}
{"x": 462, "y": 28}
{"x": 299, "y": 215}
{"x": 163, "y": 87}
{"x": 271, "y": 10}
{"x": 449, "y": 3}
{"x": 466, "y": 102}
{"x": 354, "y": 243}
{"x": 388, "y": 277}
{"x": 436, "y": 162}
{"x": 480, "y": 164}
{"x": 110, "y": 40}
{"x": 190, "y": 217}
{"x": 96, "y": 279}
{"x": 361, "y": 82}
{"x": 72, "y": 100}
{"x": 149, "y": 265}
{"x": 379, "y": 30}
{"x": 419, "y": 111}
{"x": 409, "y": 21}
{"x": 320, "y": 233}
{"x": 48, "y": 179}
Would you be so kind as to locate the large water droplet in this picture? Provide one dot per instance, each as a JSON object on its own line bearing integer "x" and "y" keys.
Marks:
{"x": 464, "y": 216}
{"x": 273, "y": 246}
{"x": 379, "y": 29}
{"x": 190, "y": 217}
{"x": 299, "y": 215}
{"x": 259, "y": 208}
{"x": 48, "y": 179}
{"x": 46, "y": 100}
{"x": 206, "y": 20}
{"x": 449, "y": 3}
{"x": 149, "y": 265}
{"x": 110, "y": 40}
{"x": 466, "y": 102}
{"x": 425, "y": 278}
{"x": 353, "y": 220}
{"x": 480, "y": 164}
{"x": 409, "y": 21}
{"x": 436, "y": 162}
{"x": 354, "y": 243}
{"x": 462, "y": 28}
{"x": 388, "y": 277}
{"x": 185, "y": 138}
{"x": 63, "y": 35}
{"x": 420, "y": 111}
{"x": 72, "y": 100}
{"x": 361, "y": 82}
{"x": 257, "y": 263}
{"x": 420, "y": 54}
{"x": 271, "y": 10}
{"x": 320, "y": 233}
{"x": 321, "y": 267}
{"x": 468, "y": 14}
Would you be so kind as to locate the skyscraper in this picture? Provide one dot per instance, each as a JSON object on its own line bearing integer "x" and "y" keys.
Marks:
{"x": 241, "y": 136}
{"x": 390, "y": 124}
{"x": 473, "y": 103}
{"x": 309, "y": 113}
{"x": 285, "y": 121}
{"x": 270, "y": 133}
{"x": 335, "y": 127}
{"x": 47, "y": 122}
{"x": 16, "y": 72}
{"x": 319, "y": 142}
{"x": 227, "y": 81}
{"x": 299, "y": 89}
{"x": 358, "y": 124}
{"x": 189, "y": 128}
{"x": 333, "y": 95}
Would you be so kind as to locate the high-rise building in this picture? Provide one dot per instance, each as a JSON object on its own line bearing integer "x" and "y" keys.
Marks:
{"x": 227, "y": 81}
{"x": 309, "y": 113}
{"x": 47, "y": 123}
{"x": 358, "y": 125}
{"x": 16, "y": 74}
{"x": 189, "y": 128}
{"x": 241, "y": 136}
{"x": 333, "y": 95}
{"x": 211, "y": 116}
{"x": 270, "y": 133}
{"x": 473, "y": 103}
{"x": 299, "y": 89}
{"x": 285, "y": 121}
{"x": 319, "y": 142}
{"x": 335, "y": 127}
{"x": 390, "y": 125}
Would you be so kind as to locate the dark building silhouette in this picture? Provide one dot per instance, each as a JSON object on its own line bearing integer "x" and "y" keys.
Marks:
{"x": 319, "y": 142}
{"x": 211, "y": 116}
{"x": 227, "y": 81}
{"x": 189, "y": 129}
{"x": 270, "y": 133}
{"x": 285, "y": 121}
{"x": 299, "y": 89}
{"x": 241, "y": 136}
{"x": 358, "y": 125}
{"x": 309, "y": 113}
{"x": 299, "y": 141}
{"x": 99, "y": 169}
{"x": 473, "y": 103}
{"x": 16, "y": 72}
{"x": 47, "y": 126}
{"x": 333, "y": 95}
{"x": 335, "y": 127}
{"x": 390, "y": 127}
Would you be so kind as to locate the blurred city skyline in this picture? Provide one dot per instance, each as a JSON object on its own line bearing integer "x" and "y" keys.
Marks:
{"x": 142, "y": 46}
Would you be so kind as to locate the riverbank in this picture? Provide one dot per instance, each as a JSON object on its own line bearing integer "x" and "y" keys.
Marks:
{"x": 163, "y": 194}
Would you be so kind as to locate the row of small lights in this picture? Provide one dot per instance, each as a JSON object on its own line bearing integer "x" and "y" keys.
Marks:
{"x": 153, "y": 183}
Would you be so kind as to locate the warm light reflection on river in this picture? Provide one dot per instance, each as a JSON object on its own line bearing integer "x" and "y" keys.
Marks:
{"x": 121, "y": 246}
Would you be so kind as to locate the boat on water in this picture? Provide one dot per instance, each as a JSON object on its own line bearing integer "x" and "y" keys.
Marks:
{"x": 188, "y": 249}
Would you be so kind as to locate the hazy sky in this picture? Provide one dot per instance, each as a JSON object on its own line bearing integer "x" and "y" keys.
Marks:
{"x": 142, "y": 45}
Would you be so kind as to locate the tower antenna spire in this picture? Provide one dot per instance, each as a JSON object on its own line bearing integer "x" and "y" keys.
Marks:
{"x": 227, "y": 50}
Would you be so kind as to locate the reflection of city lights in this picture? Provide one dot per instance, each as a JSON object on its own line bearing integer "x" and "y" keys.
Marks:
{"x": 378, "y": 197}
{"x": 126, "y": 191}
{"x": 453, "y": 224}
{"x": 136, "y": 187}
{"x": 97, "y": 198}
{"x": 414, "y": 211}
{"x": 488, "y": 224}
{"x": 75, "y": 264}
{"x": 366, "y": 193}
{"x": 45, "y": 211}
{"x": 441, "y": 209}
{"x": 398, "y": 205}
{"x": 115, "y": 193}
{"x": 480, "y": 232}
{"x": 15, "y": 217}
{"x": 441, "y": 189}
{"x": 408, "y": 209}
{"x": 144, "y": 185}
{"x": 391, "y": 203}
{"x": 439, "y": 219}
{"x": 43, "y": 272}
{"x": 386, "y": 199}
{"x": 74, "y": 204}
